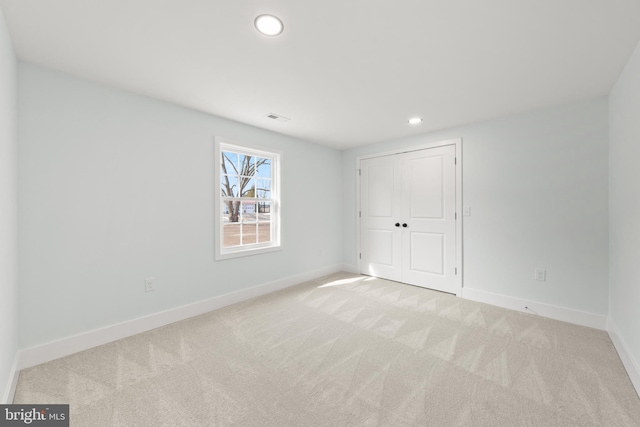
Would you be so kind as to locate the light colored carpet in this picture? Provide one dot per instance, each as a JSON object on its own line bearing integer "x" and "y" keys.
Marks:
{"x": 346, "y": 350}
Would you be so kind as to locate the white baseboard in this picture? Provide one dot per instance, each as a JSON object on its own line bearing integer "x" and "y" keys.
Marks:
{"x": 564, "y": 314}
{"x": 53, "y": 350}
{"x": 13, "y": 382}
{"x": 630, "y": 363}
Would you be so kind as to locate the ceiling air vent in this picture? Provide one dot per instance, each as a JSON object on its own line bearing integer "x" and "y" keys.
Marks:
{"x": 276, "y": 117}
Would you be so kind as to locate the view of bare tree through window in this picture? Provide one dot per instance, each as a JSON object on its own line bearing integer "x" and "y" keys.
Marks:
{"x": 246, "y": 190}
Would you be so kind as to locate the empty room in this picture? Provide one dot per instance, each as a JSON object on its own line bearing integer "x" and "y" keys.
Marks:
{"x": 337, "y": 213}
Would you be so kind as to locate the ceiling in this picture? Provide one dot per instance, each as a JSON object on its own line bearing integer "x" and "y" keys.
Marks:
{"x": 346, "y": 72}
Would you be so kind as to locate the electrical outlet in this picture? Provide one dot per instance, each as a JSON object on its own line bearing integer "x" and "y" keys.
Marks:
{"x": 149, "y": 284}
{"x": 541, "y": 275}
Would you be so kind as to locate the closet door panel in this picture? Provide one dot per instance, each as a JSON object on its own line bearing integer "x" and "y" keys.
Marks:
{"x": 428, "y": 209}
{"x": 380, "y": 206}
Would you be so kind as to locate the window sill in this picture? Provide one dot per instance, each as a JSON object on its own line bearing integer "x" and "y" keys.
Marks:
{"x": 246, "y": 252}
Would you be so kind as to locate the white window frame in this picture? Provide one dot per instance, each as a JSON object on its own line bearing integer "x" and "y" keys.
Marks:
{"x": 221, "y": 253}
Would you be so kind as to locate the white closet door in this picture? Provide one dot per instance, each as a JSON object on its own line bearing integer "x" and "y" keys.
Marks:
{"x": 428, "y": 210}
{"x": 380, "y": 192}
{"x": 408, "y": 224}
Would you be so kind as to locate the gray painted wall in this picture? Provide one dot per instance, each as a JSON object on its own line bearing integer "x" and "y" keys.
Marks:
{"x": 537, "y": 187}
{"x": 624, "y": 196}
{"x": 8, "y": 210}
{"x": 116, "y": 187}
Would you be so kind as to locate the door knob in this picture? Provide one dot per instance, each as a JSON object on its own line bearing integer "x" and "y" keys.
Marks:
{"x": 405, "y": 225}
{"x": 397, "y": 224}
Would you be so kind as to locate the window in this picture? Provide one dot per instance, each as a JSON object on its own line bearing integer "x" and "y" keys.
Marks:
{"x": 248, "y": 208}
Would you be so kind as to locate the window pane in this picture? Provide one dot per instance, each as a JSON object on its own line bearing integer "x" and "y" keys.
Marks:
{"x": 230, "y": 211}
{"x": 247, "y": 187}
{"x": 264, "y": 232}
{"x": 229, "y": 163}
{"x": 229, "y": 186}
{"x": 247, "y": 165}
{"x": 264, "y": 167}
{"x": 264, "y": 211}
{"x": 248, "y": 234}
{"x": 248, "y": 212}
{"x": 225, "y": 213}
{"x": 231, "y": 235}
{"x": 263, "y": 188}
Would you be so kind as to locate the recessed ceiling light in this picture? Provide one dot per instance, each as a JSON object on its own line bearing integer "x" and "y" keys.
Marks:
{"x": 415, "y": 120}
{"x": 269, "y": 25}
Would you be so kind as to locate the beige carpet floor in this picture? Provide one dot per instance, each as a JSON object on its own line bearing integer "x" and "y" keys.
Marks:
{"x": 346, "y": 350}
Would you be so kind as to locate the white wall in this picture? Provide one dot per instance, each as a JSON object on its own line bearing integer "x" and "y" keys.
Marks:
{"x": 115, "y": 187}
{"x": 8, "y": 211}
{"x": 537, "y": 187}
{"x": 624, "y": 196}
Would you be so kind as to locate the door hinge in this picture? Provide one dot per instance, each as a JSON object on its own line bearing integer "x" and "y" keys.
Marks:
{"x": 456, "y": 271}
{"x": 360, "y": 255}
{"x": 456, "y": 215}
{"x": 455, "y": 160}
{"x": 360, "y": 214}
{"x": 360, "y": 172}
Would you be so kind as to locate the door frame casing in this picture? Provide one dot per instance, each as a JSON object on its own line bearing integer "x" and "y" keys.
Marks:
{"x": 457, "y": 142}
